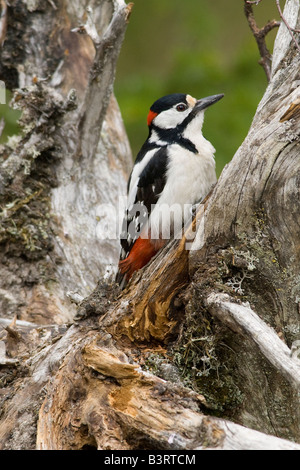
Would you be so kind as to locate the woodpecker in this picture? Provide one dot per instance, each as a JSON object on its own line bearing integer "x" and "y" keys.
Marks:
{"x": 174, "y": 168}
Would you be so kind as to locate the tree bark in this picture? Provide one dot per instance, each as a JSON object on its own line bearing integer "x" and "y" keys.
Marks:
{"x": 200, "y": 350}
{"x": 58, "y": 175}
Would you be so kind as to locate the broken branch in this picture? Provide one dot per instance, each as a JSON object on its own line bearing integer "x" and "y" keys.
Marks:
{"x": 243, "y": 320}
{"x": 291, "y": 30}
{"x": 116, "y": 401}
{"x": 102, "y": 75}
{"x": 260, "y": 36}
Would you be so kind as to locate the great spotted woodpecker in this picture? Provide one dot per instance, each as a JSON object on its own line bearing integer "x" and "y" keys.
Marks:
{"x": 174, "y": 168}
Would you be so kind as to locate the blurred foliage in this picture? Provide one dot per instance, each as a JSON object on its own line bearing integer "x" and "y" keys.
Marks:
{"x": 200, "y": 47}
{"x": 10, "y": 117}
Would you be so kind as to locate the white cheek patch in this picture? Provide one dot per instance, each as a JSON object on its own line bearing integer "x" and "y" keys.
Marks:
{"x": 170, "y": 118}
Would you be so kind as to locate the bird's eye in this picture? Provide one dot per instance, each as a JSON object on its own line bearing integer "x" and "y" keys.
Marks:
{"x": 181, "y": 107}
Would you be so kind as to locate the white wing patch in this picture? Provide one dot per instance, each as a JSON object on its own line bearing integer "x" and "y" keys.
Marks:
{"x": 135, "y": 176}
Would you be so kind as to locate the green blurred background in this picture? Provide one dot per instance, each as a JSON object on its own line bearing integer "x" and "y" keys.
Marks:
{"x": 200, "y": 47}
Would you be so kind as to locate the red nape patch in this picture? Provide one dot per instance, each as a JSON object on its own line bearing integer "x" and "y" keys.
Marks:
{"x": 142, "y": 251}
{"x": 151, "y": 116}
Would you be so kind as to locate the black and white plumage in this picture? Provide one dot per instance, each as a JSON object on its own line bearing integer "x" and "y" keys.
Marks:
{"x": 174, "y": 168}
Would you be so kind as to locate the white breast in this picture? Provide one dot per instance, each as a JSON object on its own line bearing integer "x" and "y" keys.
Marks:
{"x": 190, "y": 177}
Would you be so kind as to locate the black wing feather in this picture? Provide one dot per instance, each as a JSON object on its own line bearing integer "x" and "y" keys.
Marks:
{"x": 150, "y": 185}
{"x": 153, "y": 179}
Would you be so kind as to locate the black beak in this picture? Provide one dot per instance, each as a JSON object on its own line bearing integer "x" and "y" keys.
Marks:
{"x": 208, "y": 101}
{"x": 199, "y": 106}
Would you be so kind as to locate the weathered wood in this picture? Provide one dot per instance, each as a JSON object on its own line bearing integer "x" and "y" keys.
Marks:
{"x": 240, "y": 438}
{"x": 115, "y": 404}
{"x": 101, "y": 77}
{"x": 121, "y": 406}
{"x": 249, "y": 249}
{"x": 243, "y": 320}
{"x": 150, "y": 309}
{"x": 146, "y": 310}
{"x": 51, "y": 202}
{"x": 147, "y": 368}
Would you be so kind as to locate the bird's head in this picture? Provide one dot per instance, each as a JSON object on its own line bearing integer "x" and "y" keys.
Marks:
{"x": 178, "y": 109}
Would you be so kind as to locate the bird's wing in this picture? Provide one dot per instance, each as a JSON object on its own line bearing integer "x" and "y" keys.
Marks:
{"x": 146, "y": 189}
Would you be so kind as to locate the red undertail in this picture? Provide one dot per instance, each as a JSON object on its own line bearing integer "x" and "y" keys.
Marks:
{"x": 141, "y": 253}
